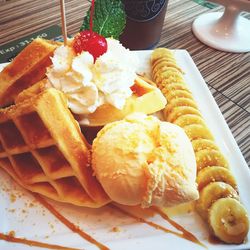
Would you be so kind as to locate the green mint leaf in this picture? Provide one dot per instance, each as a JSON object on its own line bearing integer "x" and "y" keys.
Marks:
{"x": 109, "y": 18}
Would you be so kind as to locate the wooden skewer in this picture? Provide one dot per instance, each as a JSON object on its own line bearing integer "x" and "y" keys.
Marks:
{"x": 63, "y": 19}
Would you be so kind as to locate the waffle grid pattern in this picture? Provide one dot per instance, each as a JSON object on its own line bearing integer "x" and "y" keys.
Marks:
{"x": 30, "y": 154}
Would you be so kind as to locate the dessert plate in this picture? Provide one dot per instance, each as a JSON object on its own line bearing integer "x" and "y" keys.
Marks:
{"x": 22, "y": 215}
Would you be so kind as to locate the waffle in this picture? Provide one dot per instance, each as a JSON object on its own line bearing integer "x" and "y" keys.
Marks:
{"x": 146, "y": 99}
{"x": 35, "y": 89}
{"x": 26, "y": 69}
{"x": 42, "y": 148}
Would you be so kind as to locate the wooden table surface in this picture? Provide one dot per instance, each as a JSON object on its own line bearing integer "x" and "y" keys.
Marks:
{"x": 226, "y": 74}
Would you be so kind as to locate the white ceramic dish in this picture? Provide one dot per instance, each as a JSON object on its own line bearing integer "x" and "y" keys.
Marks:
{"x": 21, "y": 213}
{"x": 225, "y": 31}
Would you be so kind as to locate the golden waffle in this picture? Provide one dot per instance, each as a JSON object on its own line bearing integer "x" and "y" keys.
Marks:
{"x": 146, "y": 98}
{"x": 35, "y": 89}
{"x": 42, "y": 148}
{"x": 218, "y": 204}
{"x": 26, "y": 69}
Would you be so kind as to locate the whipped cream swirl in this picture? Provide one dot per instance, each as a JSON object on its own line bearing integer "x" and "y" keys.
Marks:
{"x": 88, "y": 85}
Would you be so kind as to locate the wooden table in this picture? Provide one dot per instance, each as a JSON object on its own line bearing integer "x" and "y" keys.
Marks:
{"x": 226, "y": 74}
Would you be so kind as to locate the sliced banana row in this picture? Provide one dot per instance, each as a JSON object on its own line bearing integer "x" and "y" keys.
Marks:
{"x": 219, "y": 199}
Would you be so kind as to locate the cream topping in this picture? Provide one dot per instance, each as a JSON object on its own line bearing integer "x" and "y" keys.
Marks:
{"x": 88, "y": 85}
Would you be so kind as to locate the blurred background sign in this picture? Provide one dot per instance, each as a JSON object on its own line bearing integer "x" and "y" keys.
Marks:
{"x": 206, "y": 3}
{"x": 9, "y": 50}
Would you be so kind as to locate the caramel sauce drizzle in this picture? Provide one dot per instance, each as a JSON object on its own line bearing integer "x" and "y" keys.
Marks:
{"x": 184, "y": 233}
{"x": 10, "y": 238}
{"x": 69, "y": 224}
{"x": 141, "y": 220}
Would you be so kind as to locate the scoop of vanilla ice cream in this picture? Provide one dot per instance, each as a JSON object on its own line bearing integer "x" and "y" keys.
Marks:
{"x": 88, "y": 85}
{"x": 143, "y": 161}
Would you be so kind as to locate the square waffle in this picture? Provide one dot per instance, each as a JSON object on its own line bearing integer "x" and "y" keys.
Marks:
{"x": 28, "y": 67}
{"x": 42, "y": 148}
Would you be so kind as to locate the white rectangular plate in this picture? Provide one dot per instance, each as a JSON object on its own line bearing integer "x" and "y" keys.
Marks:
{"x": 21, "y": 213}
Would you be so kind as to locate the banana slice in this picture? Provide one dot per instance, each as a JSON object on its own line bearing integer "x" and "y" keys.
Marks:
{"x": 189, "y": 119}
{"x": 179, "y": 111}
{"x": 161, "y": 53}
{"x": 182, "y": 101}
{"x": 168, "y": 72}
{"x": 175, "y": 93}
{"x": 207, "y": 158}
{"x": 163, "y": 64}
{"x": 178, "y": 94}
{"x": 201, "y": 144}
{"x": 211, "y": 193}
{"x": 196, "y": 131}
{"x": 215, "y": 173}
{"x": 175, "y": 86}
{"x": 156, "y": 59}
{"x": 168, "y": 60}
{"x": 229, "y": 221}
{"x": 171, "y": 75}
